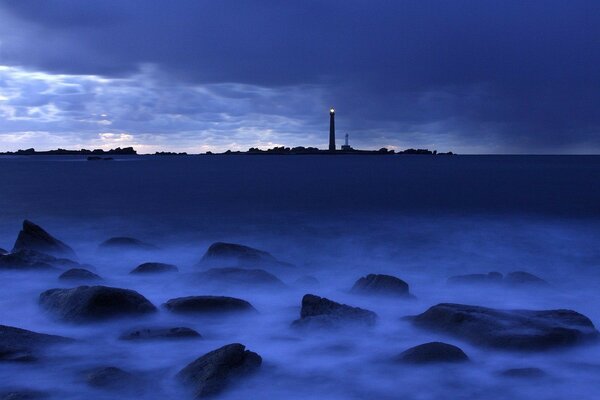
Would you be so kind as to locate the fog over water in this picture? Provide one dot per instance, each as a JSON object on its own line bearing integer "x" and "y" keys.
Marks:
{"x": 420, "y": 218}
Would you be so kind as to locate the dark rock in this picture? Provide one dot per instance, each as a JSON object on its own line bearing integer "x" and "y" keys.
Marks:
{"x": 160, "y": 333}
{"x": 240, "y": 276}
{"x": 22, "y": 345}
{"x": 320, "y": 312}
{"x": 214, "y": 371}
{"x": 154, "y": 268}
{"x": 23, "y": 394}
{"x": 79, "y": 274}
{"x": 508, "y": 329}
{"x": 512, "y": 279}
{"x": 238, "y": 255}
{"x": 526, "y": 373}
{"x": 492, "y": 277}
{"x": 208, "y": 304}
{"x": 434, "y": 352}
{"x": 33, "y": 237}
{"x": 381, "y": 285}
{"x": 89, "y": 303}
{"x": 2, "y": 251}
{"x": 33, "y": 260}
{"x": 112, "y": 379}
{"x": 524, "y": 278}
{"x": 126, "y": 243}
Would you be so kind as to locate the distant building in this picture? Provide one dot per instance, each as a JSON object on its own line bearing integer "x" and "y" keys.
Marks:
{"x": 346, "y": 146}
{"x": 332, "y": 129}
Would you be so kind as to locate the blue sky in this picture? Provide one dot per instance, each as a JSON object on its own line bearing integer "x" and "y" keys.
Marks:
{"x": 469, "y": 76}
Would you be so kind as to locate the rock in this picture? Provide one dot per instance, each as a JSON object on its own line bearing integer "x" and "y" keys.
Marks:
{"x": 2, "y": 251}
{"x": 33, "y": 237}
{"x": 18, "y": 344}
{"x": 434, "y": 352}
{"x": 524, "y": 278}
{"x": 160, "y": 333}
{"x": 208, "y": 304}
{"x": 154, "y": 268}
{"x": 240, "y": 276}
{"x": 307, "y": 280}
{"x": 214, "y": 371}
{"x": 491, "y": 277}
{"x": 527, "y": 373}
{"x": 381, "y": 285}
{"x": 23, "y": 394}
{"x": 79, "y": 274}
{"x": 508, "y": 329}
{"x": 33, "y": 260}
{"x": 238, "y": 255}
{"x": 123, "y": 242}
{"x": 112, "y": 379}
{"x": 320, "y": 312}
{"x": 513, "y": 279}
{"x": 92, "y": 303}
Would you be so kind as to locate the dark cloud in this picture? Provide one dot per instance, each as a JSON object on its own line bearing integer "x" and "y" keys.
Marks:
{"x": 498, "y": 75}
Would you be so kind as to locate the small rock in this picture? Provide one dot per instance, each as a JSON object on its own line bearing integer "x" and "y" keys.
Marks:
{"x": 491, "y": 277}
{"x": 160, "y": 333}
{"x": 208, "y": 304}
{"x": 154, "y": 268}
{"x": 238, "y": 255}
{"x": 240, "y": 276}
{"x": 33, "y": 237}
{"x": 215, "y": 371}
{"x": 112, "y": 379}
{"x": 524, "y": 278}
{"x": 92, "y": 303}
{"x": 320, "y": 312}
{"x": 377, "y": 284}
{"x": 307, "y": 280}
{"x": 123, "y": 242}
{"x": 434, "y": 352}
{"x": 79, "y": 274}
{"x": 526, "y": 373}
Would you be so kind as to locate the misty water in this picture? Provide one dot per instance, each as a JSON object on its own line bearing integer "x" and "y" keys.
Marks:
{"x": 420, "y": 218}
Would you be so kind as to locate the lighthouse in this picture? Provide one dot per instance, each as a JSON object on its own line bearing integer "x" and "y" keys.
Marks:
{"x": 332, "y": 129}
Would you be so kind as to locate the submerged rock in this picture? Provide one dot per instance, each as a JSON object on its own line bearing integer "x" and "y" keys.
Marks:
{"x": 307, "y": 280}
{"x": 320, "y": 312}
{"x": 33, "y": 237}
{"x": 508, "y": 329}
{"x": 91, "y": 303}
{"x": 512, "y": 279}
{"x": 524, "y": 278}
{"x": 33, "y": 260}
{"x": 154, "y": 268}
{"x": 18, "y": 344}
{"x": 240, "y": 276}
{"x": 524, "y": 373}
{"x": 123, "y": 242}
{"x": 238, "y": 255}
{"x": 113, "y": 379}
{"x": 208, "y": 304}
{"x": 491, "y": 277}
{"x": 377, "y": 284}
{"x": 79, "y": 274}
{"x": 214, "y": 371}
{"x": 434, "y": 352}
{"x": 160, "y": 333}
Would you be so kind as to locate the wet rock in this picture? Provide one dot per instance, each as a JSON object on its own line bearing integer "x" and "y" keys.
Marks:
{"x": 92, "y": 303}
{"x": 33, "y": 237}
{"x": 154, "y": 268}
{"x": 524, "y": 373}
{"x": 34, "y": 260}
{"x": 376, "y": 284}
{"x": 123, "y": 242}
{"x": 524, "y": 278}
{"x": 238, "y": 255}
{"x": 491, "y": 277}
{"x": 160, "y": 333}
{"x": 319, "y": 312}
{"x": 215, "y": 371}
{"x": 434, "y": 352}
{"x": 79, "y": 274}
{"x": 18, "y": 344}
{"x": 508, "y": 329}
{"x": 112, "y": 379}
{"x": 208, "y": 305}
{"x": 23, "y": 394}
{"x": 240, "y": 276}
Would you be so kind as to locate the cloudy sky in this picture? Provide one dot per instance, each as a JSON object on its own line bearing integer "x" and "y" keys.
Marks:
{"x": 477, "y": 76}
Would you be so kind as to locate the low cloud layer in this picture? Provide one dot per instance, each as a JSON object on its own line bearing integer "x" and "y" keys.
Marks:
{"x": 480, "y": 77}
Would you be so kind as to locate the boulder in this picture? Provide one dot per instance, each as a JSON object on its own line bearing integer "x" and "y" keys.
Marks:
{"x": 215, "y": 371}
{"x": 523, "y": 373}
{"x": 113, "y": 379}
{"x": 491, "y": 277}
{"x": 128, "y": 243}
{"x": 376, "y": 284}
{"x": 18, "y": 344}
{"x": 508, "y": 329}
{"x": 154, "y": 268}
{"x": 238, "y": 255}
{"x": 160, "y": 333}
{"x": 79, "y": 274}
{"x": 524, "y": 278}
{"x": 33, "y": 260}
{"x": 208, "y": 305}
{"x": 92, "y": 303}
{"x": 434, "y": 352}
{"x": 320, "y": 312}
{"x": 33, "y": 237}
{"x": 240, "y": 276}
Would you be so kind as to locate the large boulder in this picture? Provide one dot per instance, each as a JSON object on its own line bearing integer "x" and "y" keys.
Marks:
{"x": 239, "y": 255}
{"x": 377, "y": 284}
{"x": 508, "y": 329}
{"x": 33, "y": 260}
{"x": 33, "y": 237}
{"x": 126, "y": 243}
{"x": 18, "y": 344}
{"x": 92, "y": 303}
{"x": 208, "y": 305}
{"x": 240, "y": 276}
{"x": 214, "y": 371}
{"x": 319, "y": 312}
{"x": 154, "y": 268}
{"x": 79, "y": 275}
{"x": 160, "y": 333}
{"x": 433, "y": 352}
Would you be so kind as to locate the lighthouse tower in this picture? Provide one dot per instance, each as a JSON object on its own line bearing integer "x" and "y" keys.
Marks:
{"x": 332, "y": 129}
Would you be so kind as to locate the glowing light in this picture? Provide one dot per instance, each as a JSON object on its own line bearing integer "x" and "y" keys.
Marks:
{"x": 332, "y": 110}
